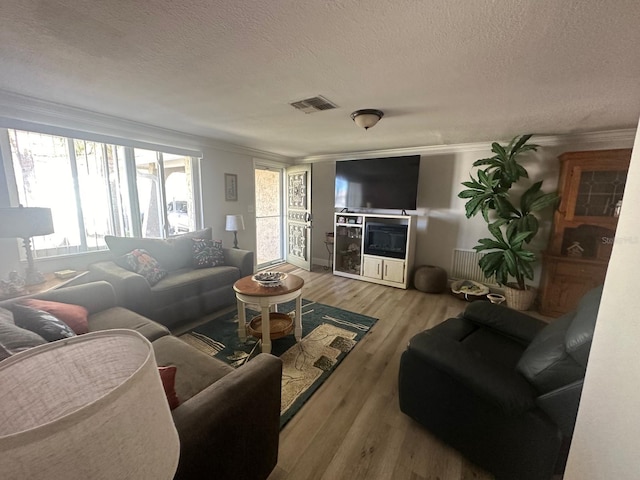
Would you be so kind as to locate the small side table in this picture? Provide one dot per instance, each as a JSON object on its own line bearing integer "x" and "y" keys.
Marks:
{"x": 51, "y": 282}
{"x": 249, "y": 291}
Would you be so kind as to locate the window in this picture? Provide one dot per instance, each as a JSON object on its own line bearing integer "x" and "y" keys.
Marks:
{"x": 96, "y": 189}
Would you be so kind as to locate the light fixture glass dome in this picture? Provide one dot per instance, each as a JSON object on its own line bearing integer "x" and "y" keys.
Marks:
{"x": 367, "y": 118}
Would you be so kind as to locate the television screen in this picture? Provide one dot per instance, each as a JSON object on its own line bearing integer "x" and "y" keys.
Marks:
{"x": 382, "y": 183}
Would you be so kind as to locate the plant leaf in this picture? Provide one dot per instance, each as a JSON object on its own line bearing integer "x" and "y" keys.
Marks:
{"x": 544, "y": 201}
{"x": 529, "y": 196}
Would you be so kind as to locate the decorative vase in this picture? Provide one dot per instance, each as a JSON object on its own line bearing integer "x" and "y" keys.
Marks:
{"x": 520, "y": 299}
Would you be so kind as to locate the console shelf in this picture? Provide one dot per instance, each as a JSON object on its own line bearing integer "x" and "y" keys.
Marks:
{"x": 374, "y": 248}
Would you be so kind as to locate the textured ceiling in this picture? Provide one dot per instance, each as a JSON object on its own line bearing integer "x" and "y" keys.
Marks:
{"x": 443, "y": 71}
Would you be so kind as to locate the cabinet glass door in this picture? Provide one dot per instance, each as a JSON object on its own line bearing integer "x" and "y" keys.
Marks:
{"x": 599, "y": 193}
{"x": 347, "y": 249}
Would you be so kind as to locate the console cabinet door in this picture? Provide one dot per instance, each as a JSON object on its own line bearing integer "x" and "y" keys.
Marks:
{"x": 372, "y": 267}
{"x": 393, "y": 270}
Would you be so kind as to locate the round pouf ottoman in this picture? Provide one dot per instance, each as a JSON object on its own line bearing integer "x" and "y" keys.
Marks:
{"x": 430, "y": 279}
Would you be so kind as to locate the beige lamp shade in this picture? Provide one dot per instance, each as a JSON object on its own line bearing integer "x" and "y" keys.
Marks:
{"x": 235, "y": 223}
{"x": 25, "y": 222}
{"x": 88, "y": 407}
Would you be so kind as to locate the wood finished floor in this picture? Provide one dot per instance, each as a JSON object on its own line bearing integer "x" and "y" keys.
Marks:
{"x": 352, "y": 427}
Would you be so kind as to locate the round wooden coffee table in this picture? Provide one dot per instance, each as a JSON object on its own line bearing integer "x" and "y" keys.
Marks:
{"x": 249, "y": 291}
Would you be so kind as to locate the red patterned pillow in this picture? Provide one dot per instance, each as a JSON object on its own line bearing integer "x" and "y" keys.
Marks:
{"x": 141, "y": 262}
{"x": 168, "y": 377}
{"x": 73, "y": 315}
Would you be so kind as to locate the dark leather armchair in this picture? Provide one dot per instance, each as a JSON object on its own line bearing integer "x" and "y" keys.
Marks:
{"x": 500, "y": 386}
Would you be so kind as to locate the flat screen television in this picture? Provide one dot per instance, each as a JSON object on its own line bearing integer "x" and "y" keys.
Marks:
{"x": 379, "y": 183}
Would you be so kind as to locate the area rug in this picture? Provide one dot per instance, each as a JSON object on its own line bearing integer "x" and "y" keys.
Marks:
{"x": 328, "y": 335}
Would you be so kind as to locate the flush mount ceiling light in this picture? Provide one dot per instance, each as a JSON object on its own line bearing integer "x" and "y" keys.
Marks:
{"x": 367, "y": 118}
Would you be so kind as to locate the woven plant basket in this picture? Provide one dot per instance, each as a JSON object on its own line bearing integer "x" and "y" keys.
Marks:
{"x": 520, "y": 299}
{"x": 280, "y": 325}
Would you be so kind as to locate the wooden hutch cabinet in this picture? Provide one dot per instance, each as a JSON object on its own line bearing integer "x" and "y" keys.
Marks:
{"x": 584, "y": 226}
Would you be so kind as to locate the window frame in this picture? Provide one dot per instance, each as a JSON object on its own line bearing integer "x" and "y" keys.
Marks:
{"x": 9, "y": 195}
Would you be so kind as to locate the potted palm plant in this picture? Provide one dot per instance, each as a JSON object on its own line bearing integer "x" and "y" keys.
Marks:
{"x": 512, "y": 225}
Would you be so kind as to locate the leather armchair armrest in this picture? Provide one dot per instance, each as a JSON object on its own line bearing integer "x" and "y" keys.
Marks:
{"x": 132, "y": 290}
{"x": 94, "y": 296}
{"x": 505, "y": 389}
{"x": 562, "y": 406}
{"x": 505, "y": 320}
{"x": 243, "y": 259}
{"x": 231, "y": 428}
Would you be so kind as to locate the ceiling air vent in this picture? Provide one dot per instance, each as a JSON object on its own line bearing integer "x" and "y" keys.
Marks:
{"x": 314, "y": 104}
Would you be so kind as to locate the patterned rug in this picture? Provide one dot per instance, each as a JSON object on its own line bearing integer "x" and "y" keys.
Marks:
{"x": 328, "y": 335}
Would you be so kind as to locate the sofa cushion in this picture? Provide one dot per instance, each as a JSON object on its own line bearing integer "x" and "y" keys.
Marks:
{"x": 43, "y": 323}
{"x": 15, "y": 339}
{"x": 206, "y": 253}
{"x": 76, "y": 316}
{"x": 172, "y": 253}
{"x": 197, "y": 370}
{"x": 141, "y": 262}
{"x": 189, "y": 282}
{"x": 119, "y": 317}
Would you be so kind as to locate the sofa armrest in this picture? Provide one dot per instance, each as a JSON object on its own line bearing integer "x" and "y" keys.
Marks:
{"x": 243, "y": 259}
{"x": 562, "y": 406}
{"x": 231, "y": 428}
{"x": 132, "y": 290}
{"x": 504, "y": 388}
{"x": 94, "y": 296}
{"x": 505, "y": 320}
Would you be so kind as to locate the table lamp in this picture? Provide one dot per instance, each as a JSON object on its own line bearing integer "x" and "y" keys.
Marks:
{"x": 21, "y": 222}
{"x": 235, "y": 223}
{"x": 86, "y": 407}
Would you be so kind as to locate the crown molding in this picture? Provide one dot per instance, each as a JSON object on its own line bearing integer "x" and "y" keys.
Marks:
{"x": 619, "y": 137}
{"x": 30, "y": 110}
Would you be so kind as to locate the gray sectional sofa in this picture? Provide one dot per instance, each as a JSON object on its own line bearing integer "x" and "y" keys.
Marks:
{"x": 186, "y": 293}
{"x": 228, "y": 420}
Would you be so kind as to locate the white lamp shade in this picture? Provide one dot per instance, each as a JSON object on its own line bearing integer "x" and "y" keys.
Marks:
{"x": 235, "y": 223}
{"x": 88, "y": 407}
{"x": 25, "y": 222}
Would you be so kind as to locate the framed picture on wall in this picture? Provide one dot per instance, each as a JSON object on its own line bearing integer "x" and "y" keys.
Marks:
{"x": 231, "y": 187}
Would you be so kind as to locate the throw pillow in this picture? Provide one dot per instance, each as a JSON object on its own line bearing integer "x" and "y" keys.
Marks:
{"x": 168, "y": 377}
{"x": 6, "y": 316}
{"x": 4, "y": 353}
{"x": 76, "y": 316}
{"x": 207, "y": 253}
{"x": 43, "y": 323}
{"x": 139, "y": 261}
{"x": 15, "y": 339}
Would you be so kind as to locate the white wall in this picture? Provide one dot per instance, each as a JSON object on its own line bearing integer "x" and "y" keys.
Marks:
{"x": 607, "y": 438}
{"x": 442, "y": 224}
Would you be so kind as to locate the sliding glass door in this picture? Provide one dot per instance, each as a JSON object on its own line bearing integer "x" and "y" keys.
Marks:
{"x": 269, "y": 222}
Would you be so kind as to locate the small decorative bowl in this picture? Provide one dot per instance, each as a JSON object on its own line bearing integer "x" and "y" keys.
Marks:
{"x": 269, "y": 279}
{"x": 496, "y": 298}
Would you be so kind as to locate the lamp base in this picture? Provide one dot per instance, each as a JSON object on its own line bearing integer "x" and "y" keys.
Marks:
{"x": 235, "y": 239}
{"x": 33, "y": 277}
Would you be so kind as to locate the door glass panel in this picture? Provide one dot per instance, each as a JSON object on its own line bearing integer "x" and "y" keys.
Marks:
{"x": 268, "y": 216}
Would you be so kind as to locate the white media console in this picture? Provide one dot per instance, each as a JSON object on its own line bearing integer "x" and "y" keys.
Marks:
{"x": 374, "y": 248}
